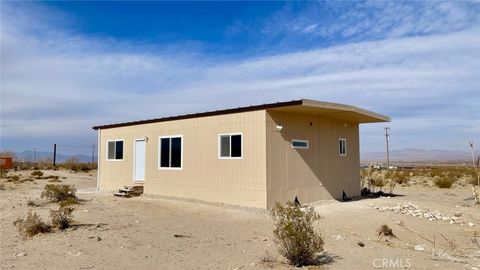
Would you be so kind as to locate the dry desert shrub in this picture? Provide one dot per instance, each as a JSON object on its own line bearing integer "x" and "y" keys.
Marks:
{"x": 37, "y": 174}
{"x": 53, "y": 179}
{"x": 295, "y": 234}
{"x": 385, "y": 231}
{"x": 476, "y": 194}
{"x": 75, "y": 165}
{"x": 62, "y": 218}
{"x": 60, "y": 193}
{"x": 3, "y": 172}
{"x": 444, "y": 182}
{"x": 17, "y": 179}
{"x": 32, "y": 225}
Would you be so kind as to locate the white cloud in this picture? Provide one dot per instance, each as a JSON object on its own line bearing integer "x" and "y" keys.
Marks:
{"x": 55, "y": 82}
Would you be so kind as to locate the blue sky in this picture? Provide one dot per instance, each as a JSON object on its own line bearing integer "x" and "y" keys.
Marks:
{"x": 66, "y": 66}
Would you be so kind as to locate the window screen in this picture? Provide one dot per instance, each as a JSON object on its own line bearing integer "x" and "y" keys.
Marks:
{"x": 111, "y": 150}
{"x": 225, "y": 146}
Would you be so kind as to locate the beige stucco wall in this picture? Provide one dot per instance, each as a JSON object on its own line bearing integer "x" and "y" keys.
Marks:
{"x": 315, "y": 173}
{"x": 204, "y": 176}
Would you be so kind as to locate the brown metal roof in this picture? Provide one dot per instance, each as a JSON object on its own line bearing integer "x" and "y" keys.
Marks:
{"x": 204, "y": 114}
{"x": 374, "y": 117}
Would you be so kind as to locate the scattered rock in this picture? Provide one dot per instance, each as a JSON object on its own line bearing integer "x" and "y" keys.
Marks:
{"x": 21, "y": 254}
{"x": 99, "y": 238}
{"x": 360, "y": 243}
{"x": 337, "y": 237}
{"x": 471, "y": 224}
{"x": 413, "y": 210}
{"x": 420, "y": 247}
{"x": 180, "y": 235}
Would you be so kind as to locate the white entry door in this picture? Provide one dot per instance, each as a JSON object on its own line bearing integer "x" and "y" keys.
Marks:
{"x": 139, "y": 162}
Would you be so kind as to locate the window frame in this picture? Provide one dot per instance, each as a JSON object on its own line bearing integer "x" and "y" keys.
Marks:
{"x": 159, "y": 149}
{"x": 300, "y": 147}
{"x": 340, "y": 140}
{"x": 220, "y": 145}
{"x": 123, "y": 150}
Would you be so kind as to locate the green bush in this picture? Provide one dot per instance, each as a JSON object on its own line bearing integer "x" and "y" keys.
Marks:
{"x": 294, "y": 233}
{"x": 60, "y": 193}
{"x": 62, "y": 218}
{"x": 444, "y": 182}
{"x": 32, "y": 225}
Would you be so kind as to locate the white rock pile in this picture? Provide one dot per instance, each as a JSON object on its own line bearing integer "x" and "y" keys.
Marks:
{"x": 413, "y": 210}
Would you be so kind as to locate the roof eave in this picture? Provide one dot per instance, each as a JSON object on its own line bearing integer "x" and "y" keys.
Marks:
{"x": 375, "y": 117}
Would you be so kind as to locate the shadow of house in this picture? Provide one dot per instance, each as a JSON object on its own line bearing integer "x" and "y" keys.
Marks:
{"x": 317, "y": 172}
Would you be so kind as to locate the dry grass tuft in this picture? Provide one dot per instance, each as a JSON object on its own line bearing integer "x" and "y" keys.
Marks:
{"x": 385, "y": 231}
{"x": 31, "y": 203}
{"x": 32, "y": 225}
{"x": 62, "y": 218}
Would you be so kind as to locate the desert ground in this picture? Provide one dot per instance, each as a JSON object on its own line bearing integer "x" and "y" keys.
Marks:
{"x": 150, "y": 232}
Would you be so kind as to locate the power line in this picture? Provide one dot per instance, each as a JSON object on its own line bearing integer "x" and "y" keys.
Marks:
{"x": 74, "y": 146}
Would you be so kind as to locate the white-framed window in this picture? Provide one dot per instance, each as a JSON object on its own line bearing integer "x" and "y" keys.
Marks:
{"x": 230, "y": 146}
{"x": 170, "y": 152}
{"x": 115, "y": 149}
{"x": 342, "y": 143}
{"x": 300, "y": 144}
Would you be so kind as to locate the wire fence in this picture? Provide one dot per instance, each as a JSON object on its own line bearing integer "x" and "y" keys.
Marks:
{"x": 59, "y": 153}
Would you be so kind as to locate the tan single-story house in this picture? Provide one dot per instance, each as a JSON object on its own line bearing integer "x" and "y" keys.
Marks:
{"x": 250, "y": 156}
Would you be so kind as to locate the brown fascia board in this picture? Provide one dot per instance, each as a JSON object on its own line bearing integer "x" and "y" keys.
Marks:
{"x": 204, "y": 114}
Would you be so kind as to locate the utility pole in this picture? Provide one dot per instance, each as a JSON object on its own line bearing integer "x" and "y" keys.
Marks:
{"x": 54, "y": 154}
{"x": 387, "y": 138}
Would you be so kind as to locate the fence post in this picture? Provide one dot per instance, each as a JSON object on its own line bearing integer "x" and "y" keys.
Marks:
{"x": 54, "y": 155}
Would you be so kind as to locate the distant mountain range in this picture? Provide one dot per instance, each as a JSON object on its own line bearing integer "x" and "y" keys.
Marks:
{"x": 43, "y": 155}
{"x": 405, "y": 155}
{"x": 413, "y": 155}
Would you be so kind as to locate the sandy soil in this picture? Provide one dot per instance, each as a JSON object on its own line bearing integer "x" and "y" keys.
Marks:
{"x": 117, "y": 233}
